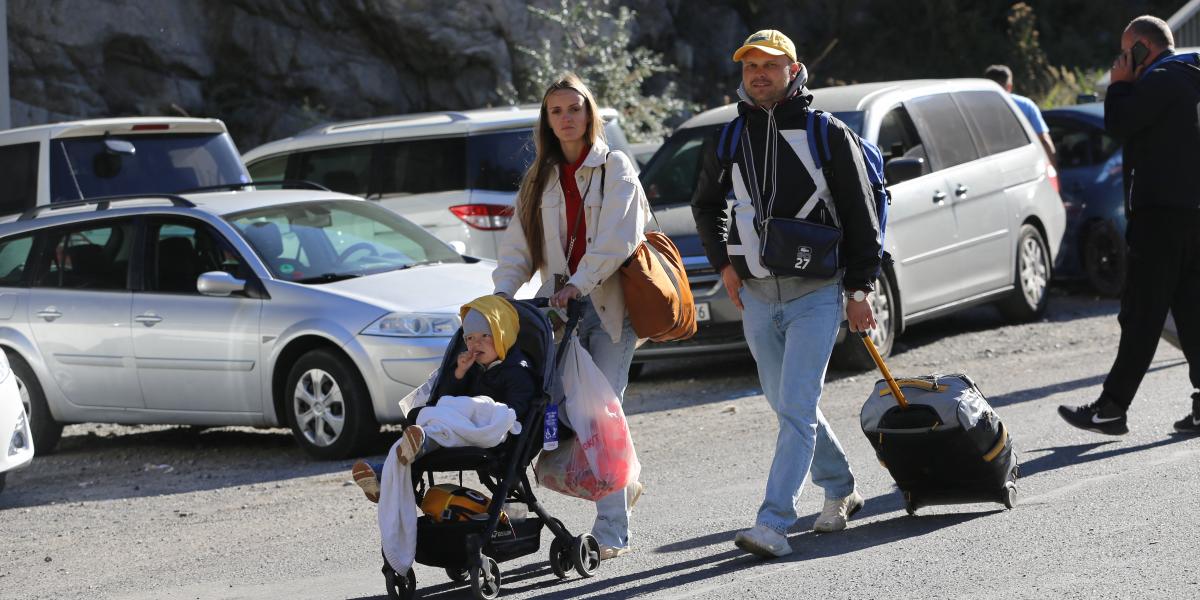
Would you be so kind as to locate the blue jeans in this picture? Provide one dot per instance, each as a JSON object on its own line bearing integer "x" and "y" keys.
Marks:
{"x": 611, "y": 527}
{"x": 791, "y": 343}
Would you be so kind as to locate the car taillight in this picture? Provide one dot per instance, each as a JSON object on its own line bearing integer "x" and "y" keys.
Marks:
{"x": 488, "y": 217}
{"x": 1052, "y": 175}
{"x": 151, "y": 127}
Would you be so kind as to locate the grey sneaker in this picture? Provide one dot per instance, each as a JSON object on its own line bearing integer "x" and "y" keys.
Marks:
{"x": 837, "y": 511}
{"x": 763, "y": 541}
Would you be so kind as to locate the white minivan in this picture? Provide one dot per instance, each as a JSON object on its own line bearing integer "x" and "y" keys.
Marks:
{"x": 454, "y": 173}
{"x": 77, "y": 160}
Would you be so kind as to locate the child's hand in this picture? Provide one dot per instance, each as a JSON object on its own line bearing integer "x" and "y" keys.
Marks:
{"x": 465, "y": 360}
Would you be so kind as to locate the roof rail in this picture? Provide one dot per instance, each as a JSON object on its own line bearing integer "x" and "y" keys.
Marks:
{"x": 103, "y": 202}
{"x": 294, "y": 184}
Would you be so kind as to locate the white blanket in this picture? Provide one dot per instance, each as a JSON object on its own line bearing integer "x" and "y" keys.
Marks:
{"x": 455, "y": 421}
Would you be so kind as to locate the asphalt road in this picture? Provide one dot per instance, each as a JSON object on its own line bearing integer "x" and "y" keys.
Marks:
{"x": 164, "y": 512}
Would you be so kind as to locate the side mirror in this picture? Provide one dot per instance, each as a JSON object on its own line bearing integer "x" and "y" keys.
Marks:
{"x": 219, "y": 283}
{"x": 899, "y": 170}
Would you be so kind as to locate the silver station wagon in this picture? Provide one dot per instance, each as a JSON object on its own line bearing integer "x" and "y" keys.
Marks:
{"x": 301, "y": 308}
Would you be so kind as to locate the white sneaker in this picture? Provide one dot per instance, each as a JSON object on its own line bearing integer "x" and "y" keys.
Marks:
{"x": 763, "y": 541}
{"x": 836, "y": 511}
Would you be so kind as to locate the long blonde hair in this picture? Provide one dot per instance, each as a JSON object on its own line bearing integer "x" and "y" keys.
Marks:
{"x": 549, "y": 156}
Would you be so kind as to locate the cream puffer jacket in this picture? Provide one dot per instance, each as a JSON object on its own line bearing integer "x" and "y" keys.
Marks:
{"x": 616, "y": 219}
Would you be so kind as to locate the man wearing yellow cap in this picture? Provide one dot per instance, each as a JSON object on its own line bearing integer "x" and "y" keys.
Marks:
{"x": 790, "y": 315}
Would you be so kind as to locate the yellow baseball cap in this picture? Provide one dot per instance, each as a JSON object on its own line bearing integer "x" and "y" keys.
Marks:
{"x": 770, "y": 41}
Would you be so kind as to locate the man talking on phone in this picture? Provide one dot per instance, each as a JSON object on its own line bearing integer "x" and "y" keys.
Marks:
{"x": 1153, "y": 108}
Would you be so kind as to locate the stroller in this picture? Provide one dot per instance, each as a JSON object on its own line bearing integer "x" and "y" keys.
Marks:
{"x": 470, "y": 550}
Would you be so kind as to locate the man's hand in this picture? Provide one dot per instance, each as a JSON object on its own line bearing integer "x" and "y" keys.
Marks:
{"x": 733, "y": 285}
{"x": 859, "y": 315}
{"x": 465, "y": 360}
{"x": 560, "y": 298}
{"x": 1122, "y": 69}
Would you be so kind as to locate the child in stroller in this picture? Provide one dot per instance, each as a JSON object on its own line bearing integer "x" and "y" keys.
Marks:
{"x": 521, "y": 375}
{"x": 491, "y": 365}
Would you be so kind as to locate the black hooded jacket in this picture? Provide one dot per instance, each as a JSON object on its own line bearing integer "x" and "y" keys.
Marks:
{"x": 779, "y": 173}
{"x": 1157, "y": 118}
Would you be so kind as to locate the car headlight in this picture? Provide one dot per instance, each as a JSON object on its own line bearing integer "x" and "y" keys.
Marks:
{"x": 414, "y": 325}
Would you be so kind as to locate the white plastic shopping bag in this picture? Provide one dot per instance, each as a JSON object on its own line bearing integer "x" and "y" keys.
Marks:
{"x": 600, "y": 459}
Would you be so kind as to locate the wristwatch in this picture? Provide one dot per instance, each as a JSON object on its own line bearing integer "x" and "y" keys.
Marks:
{"x": 856, "y": 295}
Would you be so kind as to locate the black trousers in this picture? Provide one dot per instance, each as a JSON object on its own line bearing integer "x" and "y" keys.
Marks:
{"x": 1163, "y": 274}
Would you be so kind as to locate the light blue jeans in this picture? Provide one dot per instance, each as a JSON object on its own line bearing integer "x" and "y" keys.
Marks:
{"x": 612, "y": 511}
{"x": 791, "y": 343}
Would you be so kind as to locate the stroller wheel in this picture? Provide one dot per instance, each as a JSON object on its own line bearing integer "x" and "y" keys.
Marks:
{"x": 585, "y": 554}
{"x": 400, "y": 588}
{"x": 560, "y": 558}
{"x": 485, "y": 581}
{"x": 457, "y": 575}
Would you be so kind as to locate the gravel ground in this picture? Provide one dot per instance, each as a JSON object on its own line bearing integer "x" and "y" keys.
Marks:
{"x": 170, "y": 512}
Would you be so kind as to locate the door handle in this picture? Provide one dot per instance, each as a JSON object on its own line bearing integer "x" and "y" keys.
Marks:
{"x": 148, "y": 319}
{"x": 961, "y": 191}
{"x": 49, "y": 313}
{"x": 939, "y": 196}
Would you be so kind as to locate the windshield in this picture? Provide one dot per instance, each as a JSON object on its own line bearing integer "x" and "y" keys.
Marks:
{"x": 330, "y": 240}
{"x": 88, "y": 167}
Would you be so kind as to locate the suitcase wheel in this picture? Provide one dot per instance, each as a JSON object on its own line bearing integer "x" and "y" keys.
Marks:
{"x": 1009, "y": 496}
{"x": 910, "y": 504}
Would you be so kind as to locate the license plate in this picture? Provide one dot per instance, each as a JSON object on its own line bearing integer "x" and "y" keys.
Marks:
{"x": 702, "y": 312}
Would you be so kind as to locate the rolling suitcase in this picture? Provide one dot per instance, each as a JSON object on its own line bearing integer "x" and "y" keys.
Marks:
{"x": 939, "y": 439}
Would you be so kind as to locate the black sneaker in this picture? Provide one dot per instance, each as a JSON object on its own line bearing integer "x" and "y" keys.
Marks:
{"x": 1188, "y": 424}
{"x": 1099, "y": 416}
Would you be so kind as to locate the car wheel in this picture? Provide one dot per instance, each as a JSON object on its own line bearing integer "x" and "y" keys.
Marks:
{"x": 328, "y": 407}
{"x": 1104, "y": 259}
{"x": 1032, "y": 280}
{"x": 45, "y": 430}
{"x": 852, "y": 354}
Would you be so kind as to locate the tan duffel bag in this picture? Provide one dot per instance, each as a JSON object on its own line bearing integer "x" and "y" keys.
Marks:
{"x": 658, "y": 297}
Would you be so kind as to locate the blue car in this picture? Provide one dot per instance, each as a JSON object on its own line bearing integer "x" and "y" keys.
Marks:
{"x": 1092, "y": 188}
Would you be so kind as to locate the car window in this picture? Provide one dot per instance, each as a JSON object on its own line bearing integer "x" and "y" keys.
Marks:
{"x": 89, "y": 167}
{"x": 180, "y": 250}
{"x": 1079, "y": 144}
{"x": 495, "y": 161}
{"x": 19, "y": 172}
{"x": 994, "y": 125}
{"x": 671, "y": 175}
{"x": 14, "y": 254}
{"x": 86, "y": 256}
{"x": 898, "y": 137}
{"x": 345, "y": 169}
{"x": 423, "y": 166}
{"x": 328, "y": 240}
{"x": 269, "y": 169}
{"x": 948, "y": 142}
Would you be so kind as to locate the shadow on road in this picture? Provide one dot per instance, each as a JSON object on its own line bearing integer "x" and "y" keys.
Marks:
{"x": 158, "y": 460}
{"x": 1044, "y": 391}
{"x": 1067, "y": 456}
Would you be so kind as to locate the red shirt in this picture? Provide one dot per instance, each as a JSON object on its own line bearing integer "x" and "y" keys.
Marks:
{"x": 574, "y": 202}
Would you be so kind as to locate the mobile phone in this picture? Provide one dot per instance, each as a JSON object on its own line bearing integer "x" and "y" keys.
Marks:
{"x": 1138, "y": 53}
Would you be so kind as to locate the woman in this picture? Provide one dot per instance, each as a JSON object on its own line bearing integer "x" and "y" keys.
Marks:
{"x": 577, "y": 234}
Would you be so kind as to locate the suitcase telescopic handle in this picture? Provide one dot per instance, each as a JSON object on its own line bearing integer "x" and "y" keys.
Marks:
{"x": 887, "y": 375}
